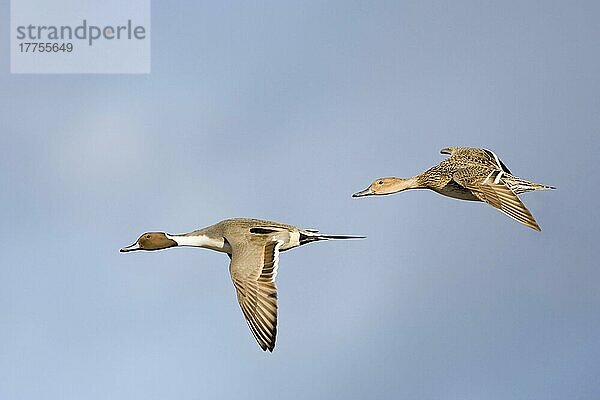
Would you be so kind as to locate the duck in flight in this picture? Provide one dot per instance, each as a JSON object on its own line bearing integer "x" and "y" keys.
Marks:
{"x": 253, "y": 247}
{"x": 468, "y": 174}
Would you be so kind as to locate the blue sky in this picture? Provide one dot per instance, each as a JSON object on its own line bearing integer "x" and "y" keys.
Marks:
{"x": 282, "y": 111}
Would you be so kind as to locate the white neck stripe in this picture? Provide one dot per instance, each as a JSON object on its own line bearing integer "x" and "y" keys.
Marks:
{"x": 200, "y": 241}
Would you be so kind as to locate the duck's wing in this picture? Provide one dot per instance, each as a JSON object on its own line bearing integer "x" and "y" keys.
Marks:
{"x": 487, "y": 185}
{"x": 448, "y": 150}
{"x": 496, "y": 160}
{"x": 475, "y": 156}
{"x": 253, "y": 269}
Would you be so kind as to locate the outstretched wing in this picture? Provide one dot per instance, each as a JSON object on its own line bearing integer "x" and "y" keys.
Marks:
{"x": 473, "y": 155}
{"x": 253, "y": 269}
{"x": 495, "y": 192}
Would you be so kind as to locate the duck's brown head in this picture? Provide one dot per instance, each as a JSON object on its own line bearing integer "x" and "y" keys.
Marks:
{"x": 381, "y": 186}
{"x": 151, "y": 241}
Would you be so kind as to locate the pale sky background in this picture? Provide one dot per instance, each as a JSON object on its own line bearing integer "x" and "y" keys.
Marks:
{"x": 282, "y": 111}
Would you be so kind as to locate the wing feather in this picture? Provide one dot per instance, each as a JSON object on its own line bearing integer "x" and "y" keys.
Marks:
{"x": 253, "y": 270}
{"x": 494, "y": 191}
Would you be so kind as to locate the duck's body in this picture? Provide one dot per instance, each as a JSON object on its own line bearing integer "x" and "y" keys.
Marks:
{"x": 235, "y": 229}
{"x": 468, "y": 174}
{"x": 253, "y": 246}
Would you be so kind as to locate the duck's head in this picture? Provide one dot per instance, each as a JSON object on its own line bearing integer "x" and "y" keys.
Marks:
{"x": 380, "y": 186}
{"x": 151, "y": 241}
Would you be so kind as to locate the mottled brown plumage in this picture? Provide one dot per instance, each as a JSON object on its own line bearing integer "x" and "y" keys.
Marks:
{"x": 468, "y": 174}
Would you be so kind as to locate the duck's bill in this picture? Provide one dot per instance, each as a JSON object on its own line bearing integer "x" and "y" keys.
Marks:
{"x": 363, "y": 193}
{"x": 133, "y": 247}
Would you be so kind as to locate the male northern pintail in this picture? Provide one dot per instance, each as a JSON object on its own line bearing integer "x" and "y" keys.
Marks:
{"x": 253, "y": 247}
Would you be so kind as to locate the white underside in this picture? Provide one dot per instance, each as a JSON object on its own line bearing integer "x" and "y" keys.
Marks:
{"x": 294, "y": 241}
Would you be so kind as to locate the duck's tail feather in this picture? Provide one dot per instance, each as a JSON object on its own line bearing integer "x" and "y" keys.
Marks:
{"x": 520, "y": 185}
{"x": 307, "y": 237}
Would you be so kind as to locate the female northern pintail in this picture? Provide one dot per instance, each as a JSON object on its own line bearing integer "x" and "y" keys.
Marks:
{"x": 253, "y": 247}
{"x": 468, "y": 174}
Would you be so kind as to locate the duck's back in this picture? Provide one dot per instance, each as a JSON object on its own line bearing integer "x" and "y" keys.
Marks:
{"x": 465, "y": 156}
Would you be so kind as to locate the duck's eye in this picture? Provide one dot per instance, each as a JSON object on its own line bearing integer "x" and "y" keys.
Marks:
{"x": 147, "y": 236}
{"x": 380, "y": 183}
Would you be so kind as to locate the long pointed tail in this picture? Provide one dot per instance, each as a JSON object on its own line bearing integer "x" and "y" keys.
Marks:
{"x": 307, "y": 237}
{"x": 520, "y": 185}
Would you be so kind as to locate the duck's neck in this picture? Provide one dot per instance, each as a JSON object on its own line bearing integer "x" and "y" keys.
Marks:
{"x": 400, "y": 184}
{"x": 218, "y": 244}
